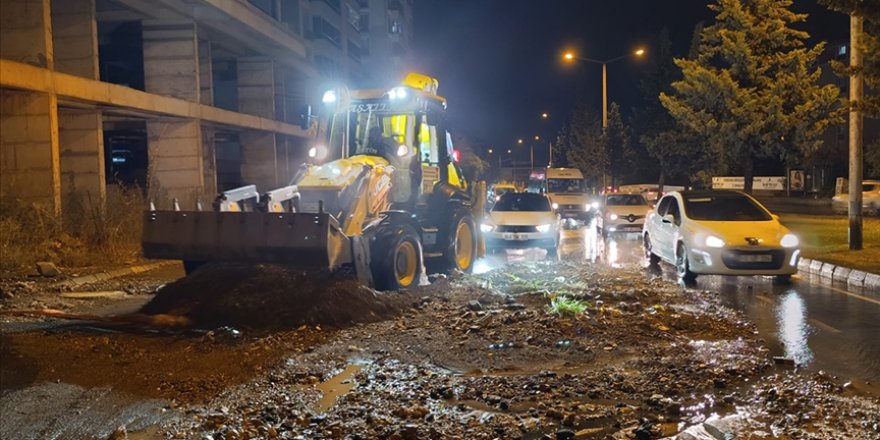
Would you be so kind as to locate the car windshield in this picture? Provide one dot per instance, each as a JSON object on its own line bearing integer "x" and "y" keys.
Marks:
{"x": 724, "y": 207}
{"x": 502, "y": 191}
{"x": 625, "y": 200}
{"x": 523, "y": 202}
{"x": 565, "y": 185}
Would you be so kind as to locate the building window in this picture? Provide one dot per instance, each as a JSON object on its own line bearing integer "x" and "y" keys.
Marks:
{"x": 354, "y": 51}
{"x": 290, "y": 16}
{"x": 334, "y": 4}
{"x": 354, "y": 17}
{"x": 267, "y": 6}
{"x": 395, "y": 27}
{"x": 323, "y": 29}
{"x": 394, "y": 5}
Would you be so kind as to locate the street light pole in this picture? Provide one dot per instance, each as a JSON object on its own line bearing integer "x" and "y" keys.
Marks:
{"x": 604, "y": 96}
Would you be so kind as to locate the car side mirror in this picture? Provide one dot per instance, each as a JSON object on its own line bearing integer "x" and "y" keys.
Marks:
{"x": 668, "y": 218}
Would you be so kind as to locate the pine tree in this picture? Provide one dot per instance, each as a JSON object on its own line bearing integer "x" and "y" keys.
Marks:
{"x": 581, "y": 143}
{"x": 617, "y": 148}
{"x": 751, "y": 91}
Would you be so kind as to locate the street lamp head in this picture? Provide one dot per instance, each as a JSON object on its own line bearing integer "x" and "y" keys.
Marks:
{"x": 640, "y": 52}
{"x": 490, "y": 151}
{"x": 519, "y": 141}
{"x": 537, "y": 138}
{"x": 509, "y": 151}
{"x": 544, "y": 115}
{"x": 569, "y": 56}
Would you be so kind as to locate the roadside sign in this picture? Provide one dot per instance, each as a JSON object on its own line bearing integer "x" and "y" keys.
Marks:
{"x": 768, "y": 183}
{"x": 796, "y": 182}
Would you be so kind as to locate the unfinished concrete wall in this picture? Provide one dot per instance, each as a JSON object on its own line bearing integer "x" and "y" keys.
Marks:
{"x": 29, "y": 157}
{"x": 256, "y": 96}
{"x": 81, "y": 144}
{"x": 176, "y": 159}
{"x": 259, "y": 159}
{"x": 206, "y": 73}
{"x": 26, "y": 32}
{"x": 75, "y": 37}
{"x": 171, "y": 68}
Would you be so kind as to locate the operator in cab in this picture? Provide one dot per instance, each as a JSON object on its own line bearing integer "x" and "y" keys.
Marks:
{"x": 378, "y": 145}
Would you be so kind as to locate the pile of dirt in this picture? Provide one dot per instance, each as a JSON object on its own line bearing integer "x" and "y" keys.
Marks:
{"x": 272, "y": 297}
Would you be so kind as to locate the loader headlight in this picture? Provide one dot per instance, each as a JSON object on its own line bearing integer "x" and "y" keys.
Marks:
{"x": 789, "y": 241}
{"x": 714, "y": 242}
{"x": 398, "y": 93}
{"x": 318, "y": 152}
{"x": 555, "y": 205}
{"x": 486, "y": 227}
{"x": 543, "y": 228}
{"x": 402, "y": 150}
{"x": 612, "y": 216}
{"x": 329, "y": 97}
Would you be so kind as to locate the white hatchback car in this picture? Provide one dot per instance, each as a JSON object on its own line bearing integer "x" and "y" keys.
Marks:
{"x": 719, "y": 232}
{"x": 870, "y": 199}
{"x": 522, "y": 220}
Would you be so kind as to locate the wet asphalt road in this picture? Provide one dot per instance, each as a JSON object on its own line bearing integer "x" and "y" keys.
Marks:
{"x": 821, "y": 326}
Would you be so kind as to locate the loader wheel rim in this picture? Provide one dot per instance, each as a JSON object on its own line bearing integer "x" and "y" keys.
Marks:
{"x": 464, "y": 246}
{"x": 405, "y": 264}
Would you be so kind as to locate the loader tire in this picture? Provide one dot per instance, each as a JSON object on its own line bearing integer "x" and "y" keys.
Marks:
{"x": 461, "y": 247}
{"x": 396, "y": 259}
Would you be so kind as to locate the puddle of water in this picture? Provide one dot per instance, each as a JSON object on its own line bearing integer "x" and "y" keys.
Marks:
{"x": 336, "y": 387}
{"x": 149, "y": 433}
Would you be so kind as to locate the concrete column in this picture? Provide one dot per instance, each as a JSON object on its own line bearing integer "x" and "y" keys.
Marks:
{"x": 256, "y": 96}
{"x": 256, "y": 87}
{"x": 259, "y": 159}
{"x": 29, "y": 157}
{"x": 209, "y": 163}
{"x": 75, "y": 37}
{"x": 81, "y": 144}
{"x": 171, "y": 59}
{"x": 176, "y": 156}
{"x": 175, "y": 162}
{"x": 206, "y": 73}
{"x": 26, "y": 32}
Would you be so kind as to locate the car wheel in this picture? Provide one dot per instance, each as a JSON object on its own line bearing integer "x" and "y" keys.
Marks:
{"x": 653, "y": 259}
{"x": 683, "y": 266}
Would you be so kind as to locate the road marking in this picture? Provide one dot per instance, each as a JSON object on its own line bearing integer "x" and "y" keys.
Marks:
{"x": 854, "y": 295}
{"x": 824, "y": 326}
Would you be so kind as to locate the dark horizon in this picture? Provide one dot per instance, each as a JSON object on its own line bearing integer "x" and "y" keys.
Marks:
{"x": 499, "y": 62}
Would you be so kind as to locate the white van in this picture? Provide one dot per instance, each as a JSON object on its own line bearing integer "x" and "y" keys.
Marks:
{"x": 568, "y": 193}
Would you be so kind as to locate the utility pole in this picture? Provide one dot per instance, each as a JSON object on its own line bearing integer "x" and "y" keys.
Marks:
{"x": 856, "y": 125}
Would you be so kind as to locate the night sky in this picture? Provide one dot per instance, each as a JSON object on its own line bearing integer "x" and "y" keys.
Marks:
{"x": 498, "y": 61}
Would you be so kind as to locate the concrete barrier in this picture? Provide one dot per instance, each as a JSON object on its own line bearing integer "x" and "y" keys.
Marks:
{"x": 856, "y": 278}
{"x": 816, "y": 267}
{"x": 827, "y": 270}
{"x": 841, "y": 274}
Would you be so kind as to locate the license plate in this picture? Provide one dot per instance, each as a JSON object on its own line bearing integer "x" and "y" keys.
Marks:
{"x": 512, "y": 236}
{"x": 754, "y": 258}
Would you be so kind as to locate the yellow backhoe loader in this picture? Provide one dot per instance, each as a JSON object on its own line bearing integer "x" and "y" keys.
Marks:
{"x": 387, "y": 195}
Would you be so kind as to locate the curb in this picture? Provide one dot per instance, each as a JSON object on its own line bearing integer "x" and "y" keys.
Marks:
{"x": 852, "y": 277}
{"x": 104, "y": 276}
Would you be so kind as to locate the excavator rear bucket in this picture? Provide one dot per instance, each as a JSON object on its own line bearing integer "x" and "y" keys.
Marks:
{"x": 299, "y": 239}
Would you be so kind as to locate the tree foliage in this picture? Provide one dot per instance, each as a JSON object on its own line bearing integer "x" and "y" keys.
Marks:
{"x": 751, "y": 91}
{"x": 870, "y": 45}
{"x": 605, "y": 157}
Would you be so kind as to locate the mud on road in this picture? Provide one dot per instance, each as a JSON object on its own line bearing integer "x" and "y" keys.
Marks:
{"x": 277, "y": 354}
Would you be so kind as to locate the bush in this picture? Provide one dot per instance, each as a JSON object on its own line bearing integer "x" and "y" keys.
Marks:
{"x": 87, "y": 233}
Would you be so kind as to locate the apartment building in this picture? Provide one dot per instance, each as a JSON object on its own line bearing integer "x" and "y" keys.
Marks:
{"x": 183, "y": 97}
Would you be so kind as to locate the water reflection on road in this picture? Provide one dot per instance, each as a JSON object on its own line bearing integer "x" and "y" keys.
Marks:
{"x": 820, "y": 326}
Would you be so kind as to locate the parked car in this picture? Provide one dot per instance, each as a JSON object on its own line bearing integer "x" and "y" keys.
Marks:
{"x": 622, "y": 213}
{"x": 522, "y": 220}
{"x": 870, "y": 199}
{"x": 719, "y": 232}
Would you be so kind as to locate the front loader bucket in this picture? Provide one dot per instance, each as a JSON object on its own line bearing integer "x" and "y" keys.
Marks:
{"x": 299, "y": 239}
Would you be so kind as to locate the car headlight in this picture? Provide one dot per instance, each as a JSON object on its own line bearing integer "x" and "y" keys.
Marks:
{"x": 555, "y": 205}
{"x": 595, "y": 205}
{"x": 485, "y": 227}
{"x": 543, "y": 228}
{"x": 612, "y": 216}
{"x": 789, "y": 241}
{"x": 714, "y": 242}
{"x": 588, "y": 206}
